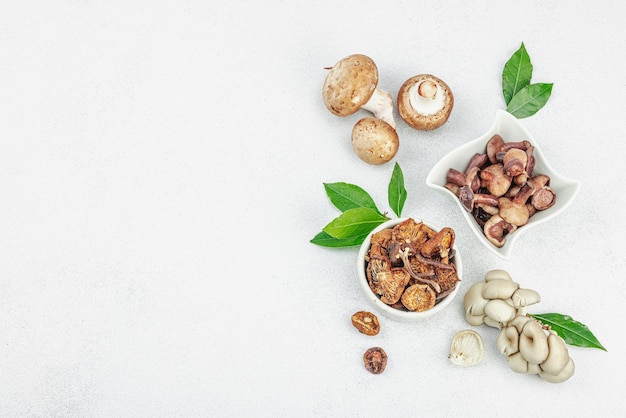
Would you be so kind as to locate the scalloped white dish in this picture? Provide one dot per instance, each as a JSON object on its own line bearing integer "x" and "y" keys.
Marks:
{"x": 510, "y": 128}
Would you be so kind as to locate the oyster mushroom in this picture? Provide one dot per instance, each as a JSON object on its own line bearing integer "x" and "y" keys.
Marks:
{"x": 508, "y": 341}
{"x": 558, "y": 357}
{"x": 565, "y": 374}
{"x": 533, "y": 343}
{"x": 425, "y": 102}
{"x": 467, "y": 348}
{"x": 351, "y": 84}
{"x": 374, "y": 141}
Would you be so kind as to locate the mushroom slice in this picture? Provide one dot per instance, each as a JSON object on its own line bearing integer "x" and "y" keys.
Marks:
{"x": 382, "y": 237}
{"x": 425, "y": 102}
{"x": 467, "y": 348}
{"x": 391, "y": 286}
{"x": 374, "y": 140}
{"x": 439, "y": 245}
{"x": 419, "y": 297}
{"x": 414, "y": 232}
{"x": 351, "y": 84}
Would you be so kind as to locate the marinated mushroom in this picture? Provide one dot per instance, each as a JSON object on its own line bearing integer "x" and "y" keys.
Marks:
{"x": 374, "y": 141}
{"x": 508, "y": 194}
{"x": 351, "y": 84}
{"x": 425, "y": 102}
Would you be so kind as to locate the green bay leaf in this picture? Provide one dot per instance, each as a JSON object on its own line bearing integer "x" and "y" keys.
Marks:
{"x": 354, "y": 222}
{"x": 516, "y": 74}
{"x": 349, "y": 196}
{"x": 529, "y": 100}
{"x": 573, "y": 332}
{"x": 396, "y": 191}
{"x": 325, "y": 240}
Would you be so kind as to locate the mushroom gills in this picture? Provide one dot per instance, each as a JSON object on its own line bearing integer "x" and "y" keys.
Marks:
{"x": 467, "y": 348}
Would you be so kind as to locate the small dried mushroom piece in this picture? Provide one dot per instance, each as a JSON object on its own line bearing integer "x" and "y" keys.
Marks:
{"x": 467, "y": 348}
{"x": 375, "y": 360}
{"x": 366, "y": 322}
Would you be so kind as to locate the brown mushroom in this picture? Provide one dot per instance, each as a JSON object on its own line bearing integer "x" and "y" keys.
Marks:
{"x": 374, "y": 141}
{"x": 494, "y": 179}
{"x": 467, "y": 196}
{"x": 351, "y": 84}
{"x": 496, "y": 229}
{"x": 425, "y": 102}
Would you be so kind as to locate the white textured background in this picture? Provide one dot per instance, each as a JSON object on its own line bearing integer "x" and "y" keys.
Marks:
{"x": 161, "y": 170}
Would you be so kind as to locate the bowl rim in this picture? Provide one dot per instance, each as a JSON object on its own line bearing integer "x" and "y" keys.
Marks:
{"x": 382, "y": 307}
{"x": 502, "y": 117}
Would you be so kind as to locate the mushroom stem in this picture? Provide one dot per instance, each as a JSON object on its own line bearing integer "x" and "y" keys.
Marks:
{"x": 381, "y": 105}
{"x": 427, "y": 89}
{"x": 404, "y": 255}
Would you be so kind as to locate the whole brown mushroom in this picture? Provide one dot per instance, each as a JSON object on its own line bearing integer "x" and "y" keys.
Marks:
{"x": 425, "y": 102}
{"x": 351, "y": 84}
{"x": 374, "y": 141}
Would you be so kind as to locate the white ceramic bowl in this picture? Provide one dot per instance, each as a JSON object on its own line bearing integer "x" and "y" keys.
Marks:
{"x": 381, "y": 306}
{"x": 510, "y": 128}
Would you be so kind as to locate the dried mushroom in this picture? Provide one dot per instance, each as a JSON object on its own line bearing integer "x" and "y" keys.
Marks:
{"x": 366, "y": 322}
{"x": 410, "y": 266}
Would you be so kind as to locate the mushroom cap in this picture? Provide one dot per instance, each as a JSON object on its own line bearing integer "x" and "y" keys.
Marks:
{"x": 533, "y": 343}
{"x": 499, "y": 289}
{"x": 500, "y": 311}
{"x": 427, "y": 118}
{"x": 349, "y": 84}
{"x": 565, "y": 374}
{"x": 374, "y": 140}
{"x": 508, "y": 341}
{"x": 467, "y": 348}
{"x": 558, "y": 357}
{"x": 473, "y": 301}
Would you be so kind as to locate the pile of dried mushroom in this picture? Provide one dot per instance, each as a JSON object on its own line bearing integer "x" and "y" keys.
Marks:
{"x": 410, "y": 265}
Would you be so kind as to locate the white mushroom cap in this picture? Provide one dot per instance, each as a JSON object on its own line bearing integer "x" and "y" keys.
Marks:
{"x": 566, "y": 373}
{"x": 351, "y": 84}
{"x": 533, "y": 343}
{"x": 473, "y": 301}
{"x": 374, "y": 141}
{"x": 558, "y": 357}
{"x": 508, "y": 341}
{"x": 467, "y": 348}
{"x": 499, "y": 289}
{"x": 525, "y": 297}
{"x": 497, "y": 274}
{"x": 425, "y": 102}
{"x": 499, "y": 311}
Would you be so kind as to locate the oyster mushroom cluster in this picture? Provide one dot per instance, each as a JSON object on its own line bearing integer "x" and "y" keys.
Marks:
{"x": 530, "y": 346}
{"x": 500, "y": 188}
{"x": 410, "y": 266}
{"x": 424, "y": 102}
